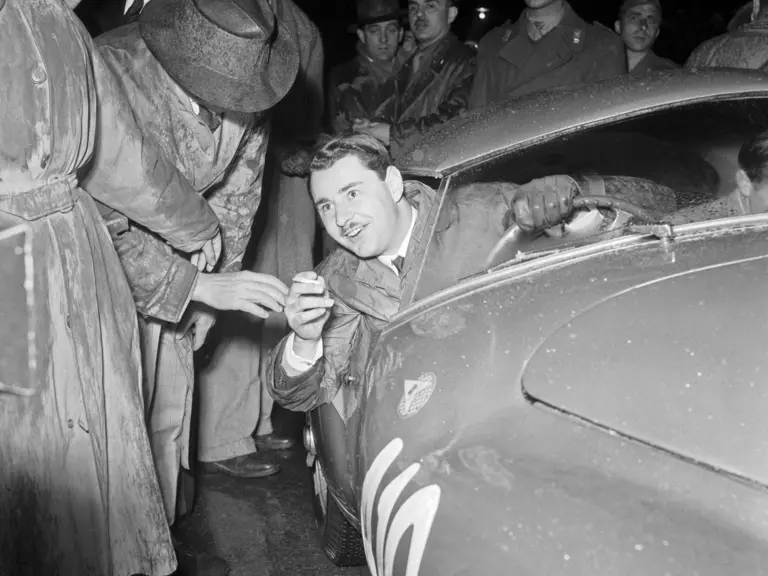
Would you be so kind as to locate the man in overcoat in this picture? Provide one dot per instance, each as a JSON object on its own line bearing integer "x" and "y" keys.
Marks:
{"x": 549, "y": 46}
{"x": 200, "y": 77}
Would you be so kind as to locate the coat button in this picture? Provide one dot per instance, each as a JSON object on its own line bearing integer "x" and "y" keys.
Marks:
{"x": 70, "y": 423}
{"x": 39, "y": 76}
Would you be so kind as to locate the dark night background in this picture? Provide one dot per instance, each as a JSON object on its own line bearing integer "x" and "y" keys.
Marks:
{"x": 686, "y": 22}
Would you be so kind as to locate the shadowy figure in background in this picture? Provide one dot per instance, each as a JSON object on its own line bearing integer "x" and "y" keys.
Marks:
{"x": 639, "y": 25}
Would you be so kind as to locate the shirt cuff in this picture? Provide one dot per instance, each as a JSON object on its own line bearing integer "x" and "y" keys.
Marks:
{"x": 295, "y": 365}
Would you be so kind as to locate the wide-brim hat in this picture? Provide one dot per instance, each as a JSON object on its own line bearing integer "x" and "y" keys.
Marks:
{"x": 375, "y": 11}
{"x": 232, "y": 54}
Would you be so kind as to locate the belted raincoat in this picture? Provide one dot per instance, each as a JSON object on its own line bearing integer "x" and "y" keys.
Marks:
{"x": 78, "y": 490}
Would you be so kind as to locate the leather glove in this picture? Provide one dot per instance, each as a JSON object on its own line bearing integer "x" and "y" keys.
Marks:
{"x": 544, "y": 202}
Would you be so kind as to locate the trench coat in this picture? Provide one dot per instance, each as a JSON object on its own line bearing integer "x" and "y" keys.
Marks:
{"x": 745, "y": 47}
{"x": 438, "y": 91}
{"x": 78, "y": 490}
{"x": 356, "y": 90}
{"x": 510, "y": 64}
{"x": 366, "y": 293}
{"x": 223, "y": 166}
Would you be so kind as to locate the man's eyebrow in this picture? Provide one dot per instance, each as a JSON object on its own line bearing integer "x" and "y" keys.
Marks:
{"x": 348, "y": 186}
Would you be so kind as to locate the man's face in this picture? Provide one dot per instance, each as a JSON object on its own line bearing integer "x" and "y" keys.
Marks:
{"x": 639, "y": 27}
{"x": 357, "y": 207}
{"x": 430, "y": 19}
{"x": 381, "y": 39}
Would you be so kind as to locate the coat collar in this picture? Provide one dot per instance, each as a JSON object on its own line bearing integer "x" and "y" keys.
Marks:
{"x": 375, "y": 276}
{"x": 556, "y": 48}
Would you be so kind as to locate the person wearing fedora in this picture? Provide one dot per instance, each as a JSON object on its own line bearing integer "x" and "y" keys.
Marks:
{"x": 431, "y": 87}
{"x": 283, "y": 244}
{"x": 639, "y": 25}
{"x": 200, "y": 76}
{"x": 355, "y": 87}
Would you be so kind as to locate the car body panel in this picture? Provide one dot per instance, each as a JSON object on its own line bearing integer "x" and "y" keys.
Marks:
{"x": 522, "y": 121}
{"x": 673, "y": 362}
{"x": 521, "y": 487}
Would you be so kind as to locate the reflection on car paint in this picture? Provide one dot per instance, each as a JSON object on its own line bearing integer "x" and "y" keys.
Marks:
{"x": 418, "y": 511}
{"x": 416, "y": 394}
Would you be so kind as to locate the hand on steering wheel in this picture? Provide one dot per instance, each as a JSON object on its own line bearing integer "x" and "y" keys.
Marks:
{"x": 517, "y": 239}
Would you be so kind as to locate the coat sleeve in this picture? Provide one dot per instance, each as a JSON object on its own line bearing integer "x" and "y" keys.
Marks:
{"x": 129, "y": 174}
{"x": 236, "y": 199}
{"x": 405, "y": 134}
{"x": 320, "y": 383}
{"x": 162, "y": 281}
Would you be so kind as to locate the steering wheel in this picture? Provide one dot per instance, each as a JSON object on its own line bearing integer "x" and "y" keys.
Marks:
{"x": 516, "y": 240}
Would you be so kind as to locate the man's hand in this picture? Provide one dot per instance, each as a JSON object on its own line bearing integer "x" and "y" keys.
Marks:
{"x": 200, "y": 319}
{"x": 544, "y": 202}
{"x": 308, "y": 307}
{"x": 379, "y": 130}
{"x": 208, "y": 256}
{"x": 245, "y": 291}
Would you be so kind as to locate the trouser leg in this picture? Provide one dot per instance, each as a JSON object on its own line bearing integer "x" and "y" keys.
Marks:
{"x": 170, "y": 388}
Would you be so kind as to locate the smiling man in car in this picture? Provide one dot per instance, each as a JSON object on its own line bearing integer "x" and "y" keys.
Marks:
{"x": 379, "y": 220}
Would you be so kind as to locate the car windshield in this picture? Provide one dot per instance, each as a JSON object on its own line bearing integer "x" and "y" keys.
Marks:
{"x": 683, "y": 157}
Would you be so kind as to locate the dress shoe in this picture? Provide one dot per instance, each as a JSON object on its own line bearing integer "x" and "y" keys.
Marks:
{"x": 253, "y": 465}
{"x": 196, "y": 563}
{"x": 272, "y": 441}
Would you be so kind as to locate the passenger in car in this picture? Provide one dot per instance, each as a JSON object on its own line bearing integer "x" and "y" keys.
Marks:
{"x": 751, "y": 193}
{"x": 380, "y": 221}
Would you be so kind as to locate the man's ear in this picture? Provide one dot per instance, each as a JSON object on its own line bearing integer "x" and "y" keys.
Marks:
{"x": 452, "y": 13}
{"x": 394, "y": 181}
{"x": 617, "y": 27}
{"x": 361, "y": 35}
{"x": 744, "y": 183}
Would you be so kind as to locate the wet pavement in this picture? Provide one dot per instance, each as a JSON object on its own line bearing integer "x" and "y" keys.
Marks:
{"x": 265, "y": 526}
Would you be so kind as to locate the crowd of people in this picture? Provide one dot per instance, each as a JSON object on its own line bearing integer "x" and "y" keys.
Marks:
{"x": 138, "y": 162}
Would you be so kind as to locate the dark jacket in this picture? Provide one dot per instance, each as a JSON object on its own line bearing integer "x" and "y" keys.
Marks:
{"x": 745, "y": 47}
{"x": 510, "y": 64}
{"x": 651, "y": 62}
{"x": 437, "y": 92}
{"x": 356, "y": 90}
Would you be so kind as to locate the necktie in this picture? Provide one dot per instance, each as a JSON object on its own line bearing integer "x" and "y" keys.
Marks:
{"x": 209, "y": 118}
{"x": 398, "y": 264}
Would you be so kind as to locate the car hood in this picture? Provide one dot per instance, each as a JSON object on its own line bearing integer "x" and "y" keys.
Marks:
{"x": 678, "y": 362}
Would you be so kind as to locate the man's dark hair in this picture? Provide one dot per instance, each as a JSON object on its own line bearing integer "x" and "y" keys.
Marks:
{"x": 370, "y": 151}
{"x": 753, "y": 157}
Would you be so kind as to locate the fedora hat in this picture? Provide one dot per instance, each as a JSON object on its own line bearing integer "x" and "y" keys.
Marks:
{"x": 232, "y": 54}
{"x": 374, "y": 11}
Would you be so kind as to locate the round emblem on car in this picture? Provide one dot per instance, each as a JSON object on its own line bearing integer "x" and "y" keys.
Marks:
{"x": 416, "y": 394}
